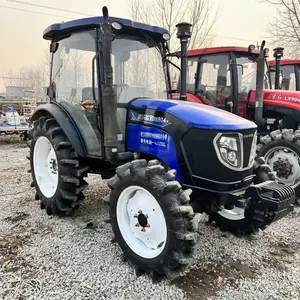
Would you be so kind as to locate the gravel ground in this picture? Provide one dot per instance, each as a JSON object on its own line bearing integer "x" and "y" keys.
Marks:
{"x": 44, "y": 257}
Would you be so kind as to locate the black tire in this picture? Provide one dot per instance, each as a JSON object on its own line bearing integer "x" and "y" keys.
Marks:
{"x": 182, "y": 223}
{"x": 246, "y": 226}
{"x": 71, "y": 168}
{"x": 287, "y": 138}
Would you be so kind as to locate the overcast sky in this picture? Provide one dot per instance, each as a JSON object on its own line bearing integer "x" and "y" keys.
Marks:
{"x": 242, "y": 22}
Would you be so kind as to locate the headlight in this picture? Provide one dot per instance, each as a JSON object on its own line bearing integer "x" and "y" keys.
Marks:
{"x": 166, "y": 36}
{"x": 117, "y": 25}
{"x": 230, "y": 150}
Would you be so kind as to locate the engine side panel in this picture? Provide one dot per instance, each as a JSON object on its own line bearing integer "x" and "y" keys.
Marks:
{"x": 153, "y": 141}
{"x": 288, "y": 99}
{"x": 279, "y": 103}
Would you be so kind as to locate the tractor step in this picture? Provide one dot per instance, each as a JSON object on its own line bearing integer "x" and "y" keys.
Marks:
{"x": 271, "y": 201}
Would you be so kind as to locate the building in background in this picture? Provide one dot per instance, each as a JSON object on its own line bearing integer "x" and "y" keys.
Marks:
{"x": 15, "y": 92}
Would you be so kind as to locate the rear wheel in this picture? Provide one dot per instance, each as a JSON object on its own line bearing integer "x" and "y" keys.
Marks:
{"x": 281, "y": 149}
{"x": 56, "y": 169}
{"x": 238, "y": 220}
{"x": 151, "y": 217}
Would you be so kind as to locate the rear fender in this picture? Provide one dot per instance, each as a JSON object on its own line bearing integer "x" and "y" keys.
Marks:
{"x": 83, "y": 141}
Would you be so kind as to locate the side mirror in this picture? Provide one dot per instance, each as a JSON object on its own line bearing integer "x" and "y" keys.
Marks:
{"x": 53, "y": 47}
{"x": 51, "y": 91}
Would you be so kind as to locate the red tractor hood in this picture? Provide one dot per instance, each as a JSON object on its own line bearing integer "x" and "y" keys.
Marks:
{"x": 283, "y": 98}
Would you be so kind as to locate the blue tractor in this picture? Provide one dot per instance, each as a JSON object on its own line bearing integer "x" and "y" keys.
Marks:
{"x": 109, "y": 113}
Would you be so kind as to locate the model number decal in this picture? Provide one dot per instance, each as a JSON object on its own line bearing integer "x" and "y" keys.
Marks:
{"x": 151, "y": 118}
{"x": 280, "y": 97}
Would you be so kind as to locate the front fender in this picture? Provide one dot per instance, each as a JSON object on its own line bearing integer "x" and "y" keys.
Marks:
{"x": 65, "y": 123}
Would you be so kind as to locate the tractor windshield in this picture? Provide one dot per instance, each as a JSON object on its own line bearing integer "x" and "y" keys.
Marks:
{"x": 214, "y": 77}
{"x": 137, "y": 64}
{"x": 246, "y": 70}
{"x": 138, "y": 69}
{"x": 288, "y": 80}
{"x": 209, "y": 78}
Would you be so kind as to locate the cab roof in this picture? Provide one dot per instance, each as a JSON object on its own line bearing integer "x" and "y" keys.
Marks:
{"x": 216, "y": 50}
{"x": 285, "y": 62}
{"x": 58, "y": 29}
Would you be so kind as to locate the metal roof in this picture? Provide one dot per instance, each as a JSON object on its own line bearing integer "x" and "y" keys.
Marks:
{"x": 58, "y": 29}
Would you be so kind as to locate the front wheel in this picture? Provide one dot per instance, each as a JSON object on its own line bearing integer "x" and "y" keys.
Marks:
{"x": 238, "y": 220}
{"x": 151, "y": 218}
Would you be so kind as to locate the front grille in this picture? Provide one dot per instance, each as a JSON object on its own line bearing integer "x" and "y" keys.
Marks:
{"x": 200, "y": 153}
{"x": 247, "y": 144}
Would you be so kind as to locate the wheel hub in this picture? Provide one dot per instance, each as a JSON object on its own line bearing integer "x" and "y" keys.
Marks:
{"x": 141, "y": 221}
{"x": 286, "y": 164}
{"x": 53, "y": 166}
{"x": 283, "y": 168}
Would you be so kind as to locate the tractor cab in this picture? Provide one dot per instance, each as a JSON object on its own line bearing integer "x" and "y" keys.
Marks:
{"x": 223, "y": 76}
{"x": 78, "y": 72}
{"x": 289, "y": 72}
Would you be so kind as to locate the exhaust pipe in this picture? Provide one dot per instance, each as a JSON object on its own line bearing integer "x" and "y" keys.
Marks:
{"x": 260, "y": 74}
{"x": 109, "y": 98}
{"x": 183, "y": 34}
{"x": 278, "y": 53}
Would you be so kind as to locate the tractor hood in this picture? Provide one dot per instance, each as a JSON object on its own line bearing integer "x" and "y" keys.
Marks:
{"x": 282, "y": 98}
{"x": 195, "y": 115}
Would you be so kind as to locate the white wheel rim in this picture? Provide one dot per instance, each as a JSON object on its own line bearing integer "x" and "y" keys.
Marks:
{"x": 283, "y": 153}
{"x": 45, "y": 166}
{"x": 141, "y": 222}
{"x": 234, "y": 214}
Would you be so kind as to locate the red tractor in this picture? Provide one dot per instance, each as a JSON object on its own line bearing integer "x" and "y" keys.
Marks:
{"x": 237, "y": 79}
{"x": 290, "y": 71}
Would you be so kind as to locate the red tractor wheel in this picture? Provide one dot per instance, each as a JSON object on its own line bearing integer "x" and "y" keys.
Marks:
{"x": 281, "y": 149}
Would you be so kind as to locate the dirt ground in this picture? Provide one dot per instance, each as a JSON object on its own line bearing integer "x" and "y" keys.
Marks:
{"x": 45, "y": 257}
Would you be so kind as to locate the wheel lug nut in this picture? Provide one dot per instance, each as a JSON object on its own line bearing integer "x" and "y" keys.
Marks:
{"x": 143, "y": 229}
{"x": 135, "y": 216}
{"x": 137, "y": 225}
{"x": 140, "y": 211}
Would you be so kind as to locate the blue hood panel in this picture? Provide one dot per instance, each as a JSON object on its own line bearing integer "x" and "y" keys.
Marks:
{"x": 196, "y": 115}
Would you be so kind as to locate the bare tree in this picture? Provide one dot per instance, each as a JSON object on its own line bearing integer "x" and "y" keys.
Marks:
{"x": 285, "y": 29}
{"x": 202, "y": 14}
